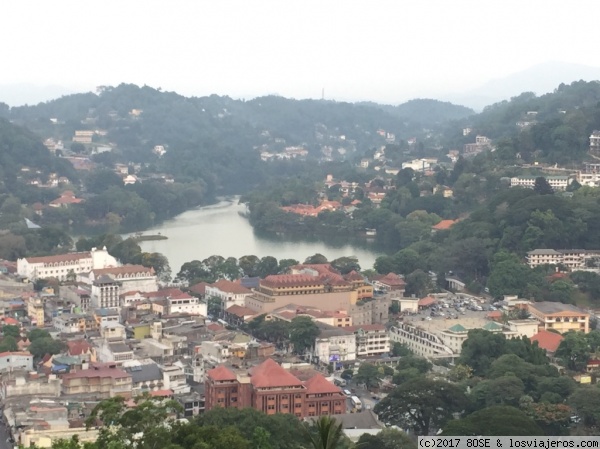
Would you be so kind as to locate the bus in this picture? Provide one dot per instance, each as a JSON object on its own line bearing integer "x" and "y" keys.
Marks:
{"x": 356, "y": 403}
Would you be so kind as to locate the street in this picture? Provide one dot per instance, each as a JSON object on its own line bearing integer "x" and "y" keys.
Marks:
{"x": 4, "y": 434}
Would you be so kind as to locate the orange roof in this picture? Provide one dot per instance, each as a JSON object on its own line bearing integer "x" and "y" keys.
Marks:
{"x": 319, "y": 385}
{"x": 547, "y": 340}
{"x": 71, "y": 257}
{"x": 443, "y": 225}
{"x": 426, "y": 301}
{"x": 494, "y": 314}
{"x": 214, "y": 327}
{"x": 11, "y": 321}
{"x": 271, "y": 374}
{"x": 240, "y": 311}
{"x": 391, "y": 279}
{"x": 161, "y": 393}
{"x": 221, "y": 373}
{"x": 231, "y": 287}
{"x": 78, "y": 347}
{"x": 22, "y": 353}
{"x": 199, "y": 288}
{"x": 290, "y": 280}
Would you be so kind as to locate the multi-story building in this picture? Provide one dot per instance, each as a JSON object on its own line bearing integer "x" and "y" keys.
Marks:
{"x": 35, "y": 311}
{"x": 371, "y": 340}
{"x": 595, "y": 142}
{"x": 335, "y": 344}
{"x": 570, "y": 258}
{"x": 130, "y": 277}
{"x": 230, "y": 293}
{"x": 174, "y": 379}
{"x": 338, "y": 318}
{"x": 374, "y": 311}
{"x": 271, "y": 389}
{"x": 556, "y": 182}
{"x": 560, "y": 317}
{"x": 64, "y": 265}
{"x": 391, "y": 282}
{"x": 276, "y": 291}
{"x": 16, "y": 360}
{"x": 101, "y": 381}
{"x": 419, "y": 341}
{"x": 146, "y": 376}
{"x": 105, "y": 293}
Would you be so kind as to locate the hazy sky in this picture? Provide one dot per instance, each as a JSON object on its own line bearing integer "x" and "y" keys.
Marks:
{"x": 385, "y": 51}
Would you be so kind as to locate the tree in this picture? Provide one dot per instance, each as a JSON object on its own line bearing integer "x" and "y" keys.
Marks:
{"x": 11, "y": 330}
{"x": 574, "y": 351}
{"x": 400, "y": 350}
{"x": 35, "y": 334}
{"x": 8, "y": 344}
{"x": 160, "y": 264}
{"x": 267, "y": 265}
{"x": 497, "y": 421}
{"x": 542, "y": 187}
{"x": 285, "y": 264}
{"x": 369, "y": 375}
{"x": 214, "y": 306}
{"x": 421, "y": 404}
{"x": 316, "y": 259}
{"x": 325, "y": 433}
{"x": 249, "y": 265}
{"x": 480, "y": 349}
{"x": 396, "y": 439}
{"x": 303, "y": 332}
{"x": 42, "y": 346}
{"x": 586, "y": 404}
{"x": 346, "y": 264}
{"x": 418, "y": 283}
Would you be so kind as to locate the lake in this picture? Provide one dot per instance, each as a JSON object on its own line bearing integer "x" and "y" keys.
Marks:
{"x": 221, "y": 229}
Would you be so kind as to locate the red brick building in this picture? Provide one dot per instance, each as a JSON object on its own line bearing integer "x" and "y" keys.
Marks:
{"x": 271, "y": 389}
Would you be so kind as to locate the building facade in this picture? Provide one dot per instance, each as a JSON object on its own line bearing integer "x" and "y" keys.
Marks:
{"x": 64, "y": 265}
{"x": 371, "y": 340}
{"x": 560, "y": 317}
{"x": 271, "y": 389}
{"x": 101, "y": 381}
{"x": 556, "y": 182}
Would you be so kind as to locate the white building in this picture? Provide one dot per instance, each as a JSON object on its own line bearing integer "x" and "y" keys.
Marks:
{"x": 556, "y": 182}
{"x": 16, "y": 360}
{"x": 214, "y": 352}
{"x": 371, "y": 340}
{"x": 335, "y": 344}
{"x": 419, "y": 341}
{"x": 230, "y": 293}
{"x": 186, "y": 304}
{"x": 64, "y": 265}
{"x": 571, "y": 258}
{"x": 174, "y": 379}
{"x": 105, "y": 293}
{"x": 130, "y": 277}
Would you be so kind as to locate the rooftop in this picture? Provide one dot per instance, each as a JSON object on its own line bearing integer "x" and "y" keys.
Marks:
{"x": 71, "y": 257}
{"x": 551, "y": 308}
{"x": 221, "y": 373}
{"x": 443, "y": 225}
{"x": 548, "y": 341}
{"x": 271, "y": 374}
{"x": 319, "y": 385}
{"x": 231, "y": 287}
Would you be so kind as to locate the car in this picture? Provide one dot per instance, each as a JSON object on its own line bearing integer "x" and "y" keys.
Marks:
{"x": 428, "y": 318}
{"x": 347, "y": 393}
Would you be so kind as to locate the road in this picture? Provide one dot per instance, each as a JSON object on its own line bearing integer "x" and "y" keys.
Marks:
{"x": 4, "y": 434}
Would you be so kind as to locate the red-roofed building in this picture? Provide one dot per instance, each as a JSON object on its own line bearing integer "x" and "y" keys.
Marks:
{"x": 426, "y": 302}
{"x": 80, "y": 348}
{"x": 549, "y": 341}
{"x": 271, "y": 389}
{"x": 101, "y": 381}
{"x": 66, "y": 199}
{"x": 238, "y": 315}
{"x": 199, "y": 289}
{"x": 229, "y": 292}
{"x": 443, "y": 225}
{"x": 391, "y": 282}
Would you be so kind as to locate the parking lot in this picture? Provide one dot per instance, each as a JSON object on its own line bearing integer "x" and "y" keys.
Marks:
{"x": 455, "y": 309}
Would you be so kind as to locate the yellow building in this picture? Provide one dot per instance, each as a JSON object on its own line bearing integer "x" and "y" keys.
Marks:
{"x": 141, "y": 331}
{"x": 560, "y": 317}
{"x": 35, "y": 311}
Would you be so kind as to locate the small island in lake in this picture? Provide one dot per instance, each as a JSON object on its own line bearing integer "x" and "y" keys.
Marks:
{"x": 146, "y": 238}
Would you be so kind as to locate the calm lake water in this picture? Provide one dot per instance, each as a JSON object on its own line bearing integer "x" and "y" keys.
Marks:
{"x": 220, "y": 229}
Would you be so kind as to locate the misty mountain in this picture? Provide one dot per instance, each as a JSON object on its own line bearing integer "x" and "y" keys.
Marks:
{"x": 539, "y": 79}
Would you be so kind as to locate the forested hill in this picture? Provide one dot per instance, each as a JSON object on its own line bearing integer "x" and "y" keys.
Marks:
{"x": 22, "y": 155}
{"x": 553, "y": 128}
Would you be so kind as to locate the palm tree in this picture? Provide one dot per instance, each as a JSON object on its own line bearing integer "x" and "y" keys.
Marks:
{"x": 325, "y": 433}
